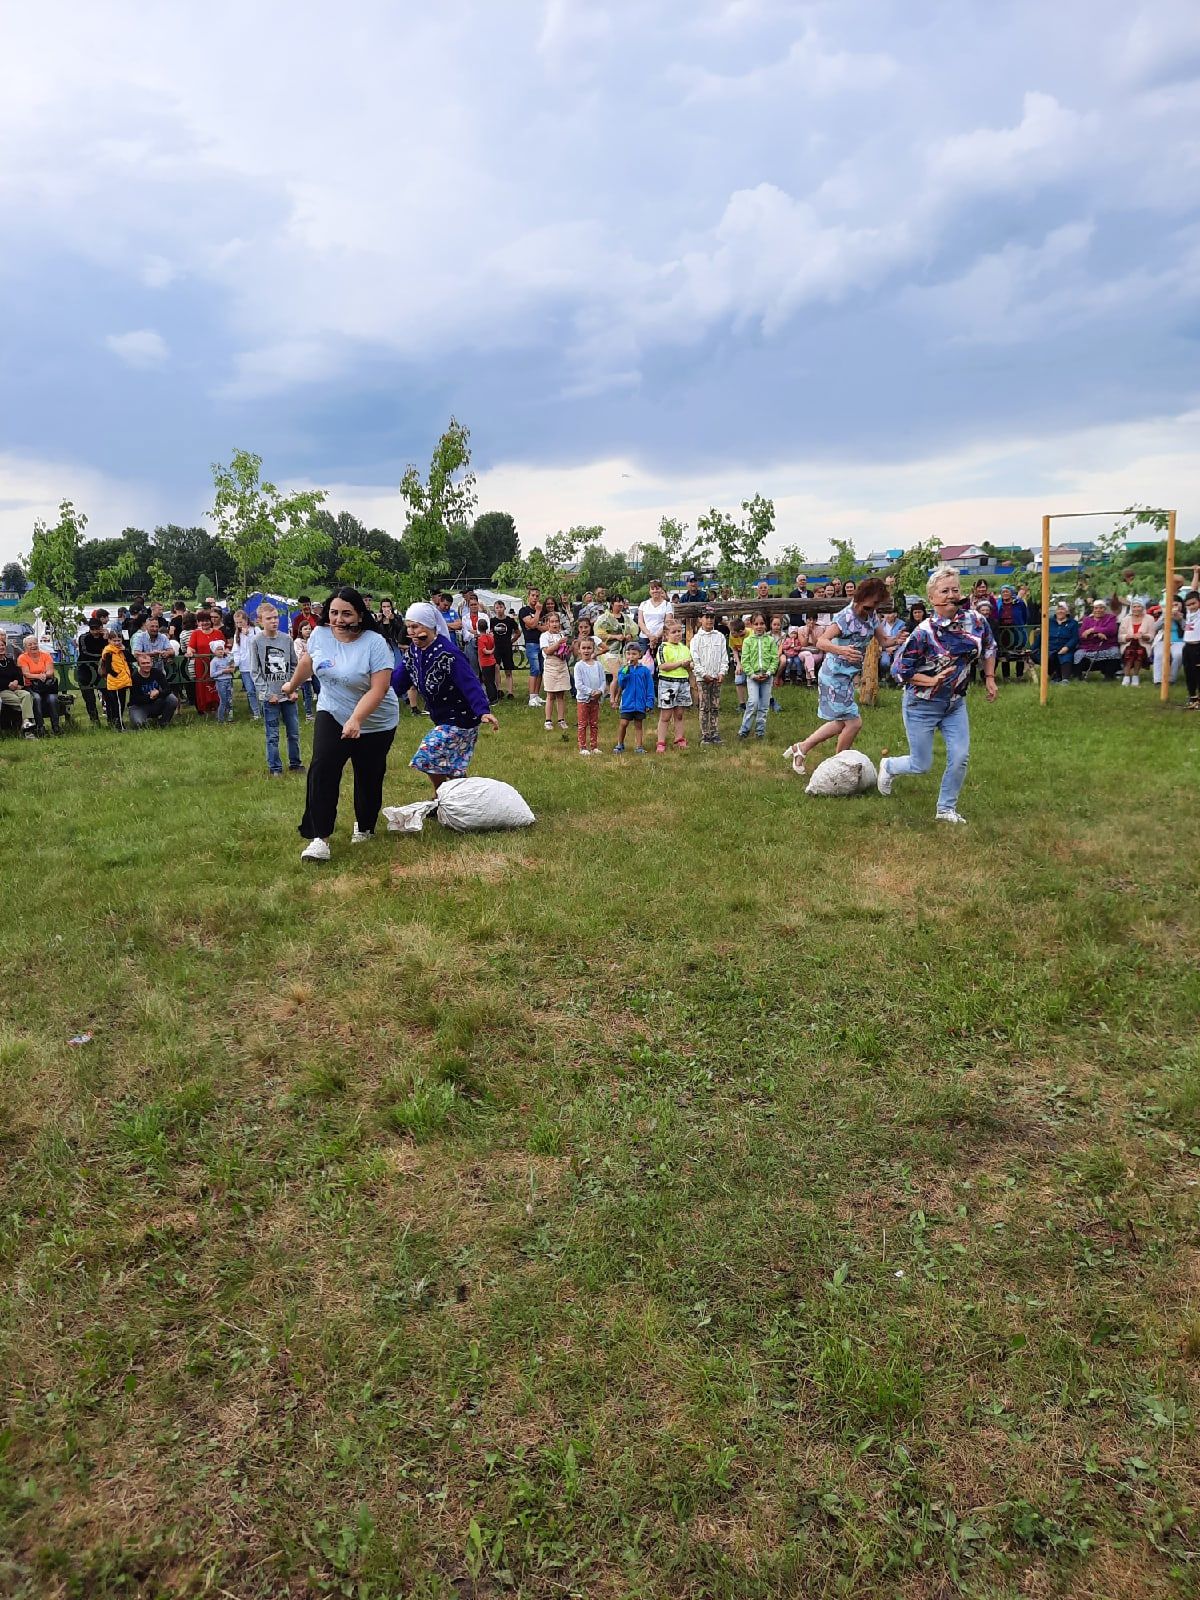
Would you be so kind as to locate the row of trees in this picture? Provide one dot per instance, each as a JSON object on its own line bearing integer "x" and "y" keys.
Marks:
{"x": 734, "y": 547}
{"x": 287, "y": 543}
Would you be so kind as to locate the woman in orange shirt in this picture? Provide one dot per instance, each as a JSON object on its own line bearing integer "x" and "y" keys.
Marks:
{"x": 37, "y": 673}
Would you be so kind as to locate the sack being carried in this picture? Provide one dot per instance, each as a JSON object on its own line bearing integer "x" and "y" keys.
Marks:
{"x": 468, "y": 805}
{"x": 850, "y": 772}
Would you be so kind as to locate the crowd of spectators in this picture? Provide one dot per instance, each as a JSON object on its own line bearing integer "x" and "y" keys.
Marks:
{"x": 137, "y": 667}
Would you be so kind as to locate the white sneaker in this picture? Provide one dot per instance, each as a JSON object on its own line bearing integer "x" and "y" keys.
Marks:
{"x": 1125, "y": 681}
{"x": 549, "y": 726}
{"x": 359, "y": 837}
{"x": 950, "y": 816}
{"x": 317, "y": 850}
{"x": 585, "y": 752}
{"x": 883, "y": 778}
{"x": 1135, "y": 681}
{"x": 536, "y": 700}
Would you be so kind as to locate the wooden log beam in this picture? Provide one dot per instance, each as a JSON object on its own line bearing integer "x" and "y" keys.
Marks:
{"x": 692, "y": 610}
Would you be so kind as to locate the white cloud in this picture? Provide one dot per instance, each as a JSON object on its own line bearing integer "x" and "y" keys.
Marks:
{"x": 142, "y": 348}
{"x": 586, "y": 190}
{"x": 998, "y": 492}
{"x": 1049, "y": 141}
{"x": 158, "y": 272}
{"x": 31, "y": 488}
{"x": 807, "y": 67}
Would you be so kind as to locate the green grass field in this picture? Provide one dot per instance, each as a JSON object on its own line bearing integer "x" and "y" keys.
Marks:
{"x": 708, "y": 1192}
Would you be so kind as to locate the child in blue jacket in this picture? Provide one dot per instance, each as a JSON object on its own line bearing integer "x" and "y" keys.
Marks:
{"x": 635, "y": 684}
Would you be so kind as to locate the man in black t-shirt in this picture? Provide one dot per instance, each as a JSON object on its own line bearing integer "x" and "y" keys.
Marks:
{"x": 88, "y": 647}
{"x": 530, "y": 618}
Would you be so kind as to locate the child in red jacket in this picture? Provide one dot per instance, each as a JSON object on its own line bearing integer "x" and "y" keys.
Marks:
{"x": 485, "y": 644}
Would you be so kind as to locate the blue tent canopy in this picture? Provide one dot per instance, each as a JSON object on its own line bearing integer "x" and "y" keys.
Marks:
{"x": 284, "y": 607}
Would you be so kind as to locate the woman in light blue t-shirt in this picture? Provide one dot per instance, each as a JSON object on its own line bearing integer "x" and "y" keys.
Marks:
{"x": 357, "y": 713}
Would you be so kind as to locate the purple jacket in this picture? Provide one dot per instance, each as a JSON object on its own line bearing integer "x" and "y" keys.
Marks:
{"x": 442, "y": 676}
{"x": 1091, "y": 640}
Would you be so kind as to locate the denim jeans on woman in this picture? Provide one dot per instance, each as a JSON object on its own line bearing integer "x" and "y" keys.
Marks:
{"x": 758, "y": 698}
{"x": 251, "y": 693}
{"x": 922, "y": 719}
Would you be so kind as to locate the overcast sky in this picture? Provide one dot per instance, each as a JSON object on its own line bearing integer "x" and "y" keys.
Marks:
{"x": 911, "y": 269}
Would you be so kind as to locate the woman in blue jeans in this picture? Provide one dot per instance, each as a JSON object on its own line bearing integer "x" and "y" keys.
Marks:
{"x": 935, "y": 668}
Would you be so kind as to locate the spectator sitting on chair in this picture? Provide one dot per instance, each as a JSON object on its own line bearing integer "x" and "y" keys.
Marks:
{"x": 12, "y": 690}
{"x": 1135, "y": 635}
{"x": 150, "y": 698}
{"x": 37, "y": 671}
{"x": 1064, "y": 641}
{"x": 897, "y": 633}
{"x": 1098, "y": 645}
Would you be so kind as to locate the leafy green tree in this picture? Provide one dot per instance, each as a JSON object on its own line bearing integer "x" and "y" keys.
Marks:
{"x": 845, "y": 563}
{"x": 533, "y": 571}
{"x": 462, "y": 556}
{"x": 52, "y": 565}
{"x": 163, "y": 586}
{"x": 360, "y": 569}
{"x": 252, "y": 515}
{"x": 299, "y": 564}
{"x": 495, "y": 535}
{"x": 118, "y": 577}
{"x": 653, "y": 561}
{"x": 792, "y": 561}
{"x": 741, "y": 546}
{"x": 435, "y": 504}
{"x": 562, "y": 548}
{"x": 678, "y": 550}
{"x": 204, "y": 587}
{"x": 912, "y": 574}
{"x": 600, "y": 567}
{"x": 186, "y": 553}
{"x": 12, "y": 576}
{"x": 346, "y": 532}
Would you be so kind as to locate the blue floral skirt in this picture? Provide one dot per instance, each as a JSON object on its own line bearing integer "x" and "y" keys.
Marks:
{"x": 445, "y": 751}
{"x": 835, "y": 697}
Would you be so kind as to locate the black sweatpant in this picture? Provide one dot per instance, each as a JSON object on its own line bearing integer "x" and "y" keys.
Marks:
{"x": 330, "y": 752}
{"x": 1191, "y": 669}
{"x": 114, "y": 707}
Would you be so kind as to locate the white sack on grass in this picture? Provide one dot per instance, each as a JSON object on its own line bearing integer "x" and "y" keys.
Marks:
{"x": 473, "y": 804}
{"x": 848, "y": 773}
{"x": 468, "y": 805}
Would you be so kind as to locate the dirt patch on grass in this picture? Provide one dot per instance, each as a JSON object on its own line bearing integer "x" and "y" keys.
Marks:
{"x": 490, "y": 866}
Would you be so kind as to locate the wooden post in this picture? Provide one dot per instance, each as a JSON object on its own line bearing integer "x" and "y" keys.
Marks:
{"x": 1044, "y": 688}
{"x": 1168, "y": 609}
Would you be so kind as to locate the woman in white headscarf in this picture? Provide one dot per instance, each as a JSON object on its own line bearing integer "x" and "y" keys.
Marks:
{"x": 453, "y": 695}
